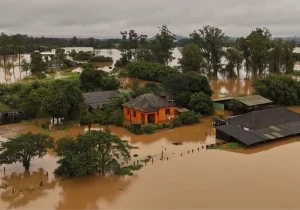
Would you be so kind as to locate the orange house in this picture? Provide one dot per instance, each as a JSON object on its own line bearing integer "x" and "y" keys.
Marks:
{"x": 149, "y": 108}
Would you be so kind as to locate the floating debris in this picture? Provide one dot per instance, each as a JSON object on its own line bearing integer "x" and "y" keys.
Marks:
{"x": 177, "y": 143}
{"x": 135, "y": 155}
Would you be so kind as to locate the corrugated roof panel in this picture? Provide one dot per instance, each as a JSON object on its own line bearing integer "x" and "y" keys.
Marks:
{"x": 277, "y": 135}
{"x": 269, "y": 136}
{"x": 275, "y": 128}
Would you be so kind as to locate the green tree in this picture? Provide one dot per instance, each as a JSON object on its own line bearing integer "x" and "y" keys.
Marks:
{"x": 211, "y": 41}
{"x": 281, "y": 89}
{"x": 56, "y": 104}
{"x": 78, "y": 157}
{"x": 104, "y": 115}
{"x": 32, "y": 104}
{"x": 276, "y": 56}
{"x": 288, "y": 58}
{"x": 162, "y": 46}
{"x": 95, "y": 151}
{"x": 234, "y": 62}
{"x": 192, "y": 59}
{"x": 37, "y": 63}
{"x": 189, "y": 118}
{"x": 60, "y": 54}
{"x": 201, "y": 103}
{"x": 24, "y": 148}
{"x": 243, "y": 46}
{"x": 88, "y": 119}
{"x": 144, "y": 50}
{"x": 92, "y": 80}
{"x": 128, "y": 45}
{"x": 74, "y": 42}
{"x": 181, "y": 86}
{"x": 150, "y": 71}
{"x": 259, "y": 44}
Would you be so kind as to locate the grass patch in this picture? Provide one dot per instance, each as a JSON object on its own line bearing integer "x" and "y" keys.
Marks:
{"x": 297, "y": 73}
{"x": 128, "y": 170}
{"x": 4, "y": 107}
{"x": 216, "y": 147}
{"x": 67, "y": 73}
{"x": 234, "y": 145}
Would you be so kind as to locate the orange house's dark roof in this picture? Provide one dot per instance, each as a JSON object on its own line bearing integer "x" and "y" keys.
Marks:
{"x": 148, "y": 103}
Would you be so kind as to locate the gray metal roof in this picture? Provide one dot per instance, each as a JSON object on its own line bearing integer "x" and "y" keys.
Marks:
{"x": 265, "y": 125}
{"x": 148, "y": 103}
{"x": 97, "y": 99}
{"x": 253, "y": 100}
{"x": 182, "y": 110}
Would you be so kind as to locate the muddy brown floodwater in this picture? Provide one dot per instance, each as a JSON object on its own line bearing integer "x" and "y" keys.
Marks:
{"x": 263, "y": 176}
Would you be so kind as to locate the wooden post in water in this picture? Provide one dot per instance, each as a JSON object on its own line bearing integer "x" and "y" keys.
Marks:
{"x": 162, "y": 155}
{"x": 41, "y": 184}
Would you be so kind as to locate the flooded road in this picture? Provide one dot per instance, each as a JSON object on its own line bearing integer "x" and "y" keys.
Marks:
{"x": 190, "y": 178}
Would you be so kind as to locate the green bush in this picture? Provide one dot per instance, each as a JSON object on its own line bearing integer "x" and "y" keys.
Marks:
{"x": 118, "y": 118}
{"x": 82, "y": 56}
{"x": 148, "y": 129}
{"x": 189, "y": 118}
{"x": 123, "y": 73}
{"x": 101, "y": 58}
{"x": 128, "y": 170}
{"x": 176, "y": 122}
{"x": 120, "y": 63}
{"x": 150, "y": 71}
{"x": 201, "y": 103}
{"x": 40, "y": 75}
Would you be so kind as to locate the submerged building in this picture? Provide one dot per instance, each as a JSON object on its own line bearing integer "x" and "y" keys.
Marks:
{"x": 260, "y": 126}
{"x": 148, "y": 108}
{"x": 98, "y": 99}
{"x": 244, "y": 104}
{"x": 9, "y": 117}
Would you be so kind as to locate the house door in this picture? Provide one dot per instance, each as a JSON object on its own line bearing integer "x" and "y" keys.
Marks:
{"x": 151, "y": 118}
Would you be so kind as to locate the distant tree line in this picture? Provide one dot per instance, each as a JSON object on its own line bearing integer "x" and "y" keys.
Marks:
{"x": 209, "y": 51}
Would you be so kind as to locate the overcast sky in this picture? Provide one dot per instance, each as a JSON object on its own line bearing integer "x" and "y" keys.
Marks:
{"x": 106, "y": 18}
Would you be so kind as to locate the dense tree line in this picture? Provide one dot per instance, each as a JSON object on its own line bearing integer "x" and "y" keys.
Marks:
{"x": 281, "y": 89}
{"x": 150, "y": 71}
{"x": 13, "y": 44}
{"x": 210, "y": 52}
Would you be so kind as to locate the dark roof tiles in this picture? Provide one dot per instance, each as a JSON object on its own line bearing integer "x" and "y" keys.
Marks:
{"x": 148, "y": 103}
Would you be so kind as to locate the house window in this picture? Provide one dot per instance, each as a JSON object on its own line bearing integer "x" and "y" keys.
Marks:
{"x": 167, "y": 111}
{"x": 158, "y": 113}
{"x": 127, "y": 111}
{"x": 134, "y": 113}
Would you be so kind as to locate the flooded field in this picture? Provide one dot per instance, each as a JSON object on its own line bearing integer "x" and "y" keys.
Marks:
{"x": 260, "y": 177}
{"x": 190, "y": 178}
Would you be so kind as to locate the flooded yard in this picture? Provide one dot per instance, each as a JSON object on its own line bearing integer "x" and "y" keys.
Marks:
{"x": 190, "y": 178}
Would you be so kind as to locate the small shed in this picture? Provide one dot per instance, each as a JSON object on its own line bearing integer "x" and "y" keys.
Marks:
{"x": 98, "y": 99}
{"x": 9, "y": 117}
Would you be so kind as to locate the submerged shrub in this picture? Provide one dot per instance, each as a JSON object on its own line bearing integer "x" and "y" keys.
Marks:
{"x": 189, "y": 118}
{"x": 176, "y": 122}
{"x": 148, "y": 129}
